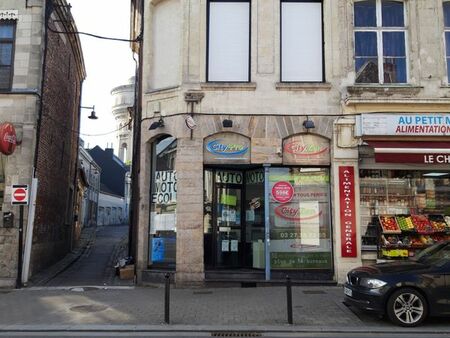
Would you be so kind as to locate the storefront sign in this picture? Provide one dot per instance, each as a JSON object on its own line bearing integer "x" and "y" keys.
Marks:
{"x": 165, "y": 187}
{"x": 227, "y": 148}
{"x": 413, "y": 158}
{"x": 293, "y": 212}
{"x": 8, "y": 140}
{"x": 306, "y": 149}
{"x": 405, "y": 124}
{"x": 296, "y": 260}
{"x": 229, "y": 177}
{"x": 282, "y": 192}
{"x": 347, "y": 211}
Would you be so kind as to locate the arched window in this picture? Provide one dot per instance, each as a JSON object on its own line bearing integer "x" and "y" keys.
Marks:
{"x": 163, "y": 202}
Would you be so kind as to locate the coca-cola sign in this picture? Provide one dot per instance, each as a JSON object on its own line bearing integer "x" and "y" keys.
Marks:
{"x": 8, "y": 139}
{"x": 306, "y": 149}
{"x": 296, "y": 213}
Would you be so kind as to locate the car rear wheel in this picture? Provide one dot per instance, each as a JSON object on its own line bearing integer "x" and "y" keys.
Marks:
{"x": 407, "y": 307}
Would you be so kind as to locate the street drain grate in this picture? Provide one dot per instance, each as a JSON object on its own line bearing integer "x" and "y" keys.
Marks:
{"x": 235, "y": 334}
{"x": 202, "y": 292}
{"x": 88, "y": 308}
{"x": 314, "y": 292}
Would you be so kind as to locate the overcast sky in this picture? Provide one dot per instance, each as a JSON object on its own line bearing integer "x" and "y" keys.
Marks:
{"x": 108, "y": 63}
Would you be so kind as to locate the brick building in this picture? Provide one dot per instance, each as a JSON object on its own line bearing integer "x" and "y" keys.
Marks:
{"x": 40, "y": 96}
{"x": 313, "y": 119}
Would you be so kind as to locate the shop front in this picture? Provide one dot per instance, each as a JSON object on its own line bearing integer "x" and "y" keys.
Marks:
{"x": 404, "y": 183}
{"x": 277, "y": 213}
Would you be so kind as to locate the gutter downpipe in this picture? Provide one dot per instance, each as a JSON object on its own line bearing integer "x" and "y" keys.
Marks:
{"x": 135, "y": 166}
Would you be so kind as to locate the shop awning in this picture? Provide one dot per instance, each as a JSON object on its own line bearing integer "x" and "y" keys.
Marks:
{"x": 411, "y": 152}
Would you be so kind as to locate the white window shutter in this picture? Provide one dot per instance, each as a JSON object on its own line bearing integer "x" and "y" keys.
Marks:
{"x": 302, "y": 48}
{"x": 229, "y": 34}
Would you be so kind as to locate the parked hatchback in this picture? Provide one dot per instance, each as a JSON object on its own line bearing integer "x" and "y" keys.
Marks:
{"x": 407, "y": 291}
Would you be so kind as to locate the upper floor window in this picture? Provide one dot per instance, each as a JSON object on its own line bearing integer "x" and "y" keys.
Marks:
{"x": 301, "y": 41}
{"x": 380, "y": 35}
{"x": 228, "y": 41}
{"x": 7, "y": 31}
{"x": 447, "y": 36}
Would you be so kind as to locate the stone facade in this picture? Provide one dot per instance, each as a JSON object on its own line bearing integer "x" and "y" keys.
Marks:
{"x": 45, "y": 113}
{"x": 266, "y": 108}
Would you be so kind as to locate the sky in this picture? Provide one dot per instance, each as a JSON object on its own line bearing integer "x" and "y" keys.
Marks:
{"x": 108, "y": 63}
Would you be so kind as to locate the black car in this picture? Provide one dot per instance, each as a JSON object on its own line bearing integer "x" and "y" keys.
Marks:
{"x": 407, "y": 291}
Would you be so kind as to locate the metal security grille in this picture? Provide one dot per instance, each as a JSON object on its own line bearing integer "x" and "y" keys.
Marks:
{"x": 235, "y": 334}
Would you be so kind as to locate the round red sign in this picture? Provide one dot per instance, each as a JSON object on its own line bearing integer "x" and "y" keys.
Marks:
{"x": 20, "y": 194}
{"x": 282, "y": 192}
{"x": 8, "y": 140}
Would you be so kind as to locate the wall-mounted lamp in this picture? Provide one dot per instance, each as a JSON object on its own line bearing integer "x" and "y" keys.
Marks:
{"x": 308, "y": 124}
{"x": 227, "y": 123}
{"x": 157, "y": 124}
{"x": 92, "y": 116}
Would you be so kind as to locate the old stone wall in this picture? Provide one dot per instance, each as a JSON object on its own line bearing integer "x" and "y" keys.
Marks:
{"x": 57, "y": 153}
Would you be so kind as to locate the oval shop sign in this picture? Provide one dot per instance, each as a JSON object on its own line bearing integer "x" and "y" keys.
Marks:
{"x": 219, "y": 147}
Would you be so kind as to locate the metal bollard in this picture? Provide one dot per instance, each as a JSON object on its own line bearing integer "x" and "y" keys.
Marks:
{"x": 289, "y": 299}
{"x": 167, "y": 299}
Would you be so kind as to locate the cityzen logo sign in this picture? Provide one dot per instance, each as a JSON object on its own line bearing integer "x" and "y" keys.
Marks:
{"x": 300, "y": 149}
{"x": 347, "y": 211}
{"x": 230, "y": 149}
{"x": 296, "y": 214}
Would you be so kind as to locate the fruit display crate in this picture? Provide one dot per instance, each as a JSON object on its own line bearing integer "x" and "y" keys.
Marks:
{"x": 389, "y": 224}
{"x": 405, "y": 222}
{"x": 438, "y": 223}
{"x": 422, "y": 224}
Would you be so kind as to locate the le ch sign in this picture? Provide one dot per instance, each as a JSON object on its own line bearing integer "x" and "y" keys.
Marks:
{"x": 436, "y": 159}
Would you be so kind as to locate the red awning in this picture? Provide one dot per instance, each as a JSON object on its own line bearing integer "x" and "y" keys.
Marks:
{"x": 411, "y": 152}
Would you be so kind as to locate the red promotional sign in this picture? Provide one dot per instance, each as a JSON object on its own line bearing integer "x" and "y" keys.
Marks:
{"x": 347, "y": 211}
{"x": 8, "y": 138}
{"x": 282, "y": 192}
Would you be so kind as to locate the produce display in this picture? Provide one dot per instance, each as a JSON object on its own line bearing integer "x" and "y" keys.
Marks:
{"x": 408, "y": 233}
{"x": 437, "y": 222}
{"x": 389, "y": 225}
{"x": 422, "y": 224}
{"x": 405, "y": 223}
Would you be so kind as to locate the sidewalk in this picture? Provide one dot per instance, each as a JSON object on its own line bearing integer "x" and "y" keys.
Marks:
{"x": 262, "y": 309}
{"x": 87, "y": 240}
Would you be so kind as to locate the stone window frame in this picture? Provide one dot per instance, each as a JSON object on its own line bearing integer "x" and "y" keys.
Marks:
{"x": 445, "y": 8}
{"x": 8, "y": 41}
{"x": 379, "y": 29}
{"x": 322, "y": 79}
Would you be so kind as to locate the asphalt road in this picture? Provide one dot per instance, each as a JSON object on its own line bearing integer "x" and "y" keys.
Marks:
{"x": 236, "y": 334}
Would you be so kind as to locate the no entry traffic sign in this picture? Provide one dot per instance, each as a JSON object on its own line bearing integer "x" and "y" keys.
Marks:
{"x": 19, "y": 195}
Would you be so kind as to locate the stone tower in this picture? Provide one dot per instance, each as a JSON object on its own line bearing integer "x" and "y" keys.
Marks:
{"x": 123, "y": 100}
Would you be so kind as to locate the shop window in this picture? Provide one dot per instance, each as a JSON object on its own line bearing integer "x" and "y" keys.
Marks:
{"x": 301, "y": 41}
{"x": 300, "y": 223}
{"x": 447, "y": 36}
{"x": 7, "y": 33}
{"x": 228, "y": 41}
{"x": 403, "y": 211}
{"x": 162, "y": 237}
{"x": 380, "y": 41}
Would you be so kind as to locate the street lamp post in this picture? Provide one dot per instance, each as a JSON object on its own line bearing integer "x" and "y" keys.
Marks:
{"x": 92, "y": 116}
